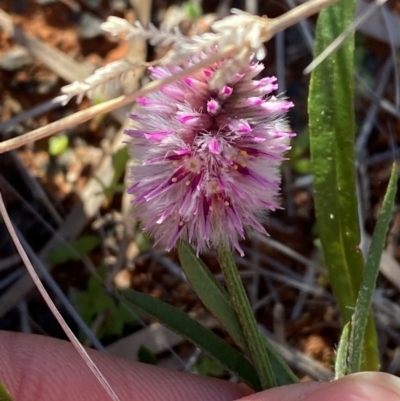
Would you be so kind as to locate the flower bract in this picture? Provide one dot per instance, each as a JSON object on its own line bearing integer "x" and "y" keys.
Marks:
{"x": 205, "y": 161}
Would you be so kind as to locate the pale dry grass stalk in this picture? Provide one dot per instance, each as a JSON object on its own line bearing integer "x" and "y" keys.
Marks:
{"x": 270, "y": 28}
{"x": 78, "y": 346}
{"x": 93, "y": 111}
{"x": 337, "y": 43}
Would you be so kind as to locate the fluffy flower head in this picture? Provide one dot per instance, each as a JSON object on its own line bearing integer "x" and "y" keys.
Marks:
{"x": 206, "y": 161}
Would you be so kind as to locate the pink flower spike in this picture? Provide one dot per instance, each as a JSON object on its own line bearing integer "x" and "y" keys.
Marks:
{"x": 206, "y": 163}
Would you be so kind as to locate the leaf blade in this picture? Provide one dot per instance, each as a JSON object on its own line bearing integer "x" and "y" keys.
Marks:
{"x": 193, "y": 331}
{"x": 332, "y": 128}
{"x": 211, "y": 293}
{"x": 341, "y": 363}
{"x": 364, "y": 299}
{"x": 4, "y": 394}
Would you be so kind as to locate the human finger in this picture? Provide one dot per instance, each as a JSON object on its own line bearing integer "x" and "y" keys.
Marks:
{"x": 367, "y": 386}
{"x": 37, "y": 368}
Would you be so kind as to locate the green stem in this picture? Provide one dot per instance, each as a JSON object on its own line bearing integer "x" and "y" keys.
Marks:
{"x": 257, "y": 344}
{"x": 219, "y": 302}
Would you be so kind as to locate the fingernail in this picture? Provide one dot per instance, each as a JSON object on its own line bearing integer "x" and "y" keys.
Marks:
{"x": 387, "y": 381}
{"x": 368, "y": 386}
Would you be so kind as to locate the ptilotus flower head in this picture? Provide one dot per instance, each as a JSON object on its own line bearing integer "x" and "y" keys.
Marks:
{"x": 206, "y": 162}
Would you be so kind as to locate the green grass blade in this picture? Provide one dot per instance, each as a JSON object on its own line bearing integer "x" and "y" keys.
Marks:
{"x": 341, "y": 363}
{"x": 202, "y": 337}
{"x": 4, "y": 394}
{"x": 367, "y": 288}
{"x": 211, "y": 293}
{"x": 332, "y": 129}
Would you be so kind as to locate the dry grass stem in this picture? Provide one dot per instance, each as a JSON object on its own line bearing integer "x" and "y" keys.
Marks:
{"x": 343, "y": 36}
{"x": 89, "y": 113}
{"x": 82, "y": 352}
{"x": 272, "y": 26}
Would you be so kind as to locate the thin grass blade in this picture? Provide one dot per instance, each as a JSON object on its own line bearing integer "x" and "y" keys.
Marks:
{"x": 341, "y": 363}
{"x": 211, "y": 293}
{"x": 35, "y": 278}
{"x": 4, "y": 394}
{"x": 364, "y": 300}
{"x": 202, "y": 337}
{"x": 217, "y": 300}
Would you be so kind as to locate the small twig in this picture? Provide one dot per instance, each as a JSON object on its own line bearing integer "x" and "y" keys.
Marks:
{"x": 8, "y": 262}
{"x": 35, "y": 188}
{"x": 78, "y": 346}
{"x": 391, "y": 32}
{"x": 289, "y": 252}
{"x": 25, "y": 115}
{"x": 309, "y": 280}
{"x": 299, "y": 360}
{"x": 62, "y": 64}
{"x": 10, "y": 278}
{"x": 278, "y": 313}
{"x": 25, "y": 326}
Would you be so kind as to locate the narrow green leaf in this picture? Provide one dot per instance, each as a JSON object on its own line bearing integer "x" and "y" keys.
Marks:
{"x": 202, "y": 337}
{"x": 119, "y": 161}
{"x": 217, "y": 301}
{"x": 74, "y": 250}
{"x": 4, "y": 394}
{"x": 332, "y": 129}
{"x": 341, "y": 363}
{"x": 207, "y": 366}
{"x": 145, "y": 355}
{"x": 192, "y": 9}
{"x": 212, "y": 294}
{"x": 367, "y": 288}
{"x": 271, "y": 368}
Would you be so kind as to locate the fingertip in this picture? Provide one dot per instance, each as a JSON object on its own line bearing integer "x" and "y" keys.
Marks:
{"x": 365, "y": 386}
{"x": 292, "y": 392}
{"x": 39, "y": 368}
